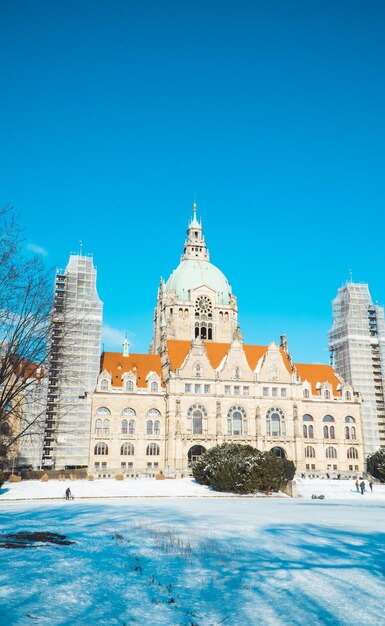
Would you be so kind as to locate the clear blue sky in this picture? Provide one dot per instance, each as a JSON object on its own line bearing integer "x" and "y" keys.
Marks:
{"x": 114, "y": 113}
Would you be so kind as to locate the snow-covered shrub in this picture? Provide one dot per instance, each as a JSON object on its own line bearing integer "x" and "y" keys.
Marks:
{"x": 242, "y": 469}
{"x": 376, "y": 465}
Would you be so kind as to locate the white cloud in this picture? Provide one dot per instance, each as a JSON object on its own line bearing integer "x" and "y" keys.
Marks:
{"x": 37, "y": 249}
{"x": 113, "y": 338}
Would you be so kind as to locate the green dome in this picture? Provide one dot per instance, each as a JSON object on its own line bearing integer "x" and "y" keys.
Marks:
{"x": 192, "y": 273}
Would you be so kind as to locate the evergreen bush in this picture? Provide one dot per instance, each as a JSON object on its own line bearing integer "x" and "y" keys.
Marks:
{"x": 375, "y": 465}
{"x": 242, "y": 469}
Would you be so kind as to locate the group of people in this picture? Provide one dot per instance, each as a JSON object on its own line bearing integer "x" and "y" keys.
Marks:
{"x": 361, "y": 486}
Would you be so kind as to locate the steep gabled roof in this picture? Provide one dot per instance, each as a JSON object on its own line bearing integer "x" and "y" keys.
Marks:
{"x": 317, "y": 373}
{"x": 140, "y": 364}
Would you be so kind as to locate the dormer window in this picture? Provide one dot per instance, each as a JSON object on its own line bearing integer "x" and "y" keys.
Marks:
{"x": 104, "y": 385}
{"x": 154, "y": 386}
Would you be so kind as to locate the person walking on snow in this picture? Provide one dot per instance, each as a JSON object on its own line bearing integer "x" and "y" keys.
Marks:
{"x": 357, "y": 486}
{"x": 362, "y": 486}
{"x": 371, "y": 486}
{"x": 68, "y": 493}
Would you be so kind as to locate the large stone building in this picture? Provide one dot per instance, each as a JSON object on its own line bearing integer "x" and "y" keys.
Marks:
{"x": 202, "y": 385}
{"x": 357, "y": 345}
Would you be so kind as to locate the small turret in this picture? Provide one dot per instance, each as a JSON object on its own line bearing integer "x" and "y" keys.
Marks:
{"x": 195, "y": 246}
{"x": 126, "y": 347}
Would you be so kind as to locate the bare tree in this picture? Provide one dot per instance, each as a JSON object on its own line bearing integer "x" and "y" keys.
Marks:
{"x": 25, "y": 305}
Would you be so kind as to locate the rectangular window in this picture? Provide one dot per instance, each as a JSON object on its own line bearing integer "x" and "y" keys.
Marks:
{"x": 149, "y": 464}
{"x": 245, "y": 391}
{"x": 307, "y": 466}
{"x": 356, "y": 467}
{"x": 350, "y": 468}
{"x": 283, "y": 392}
{"x": 187, "y": 388}
{"x": 156, "y": 464}
{"x": 130, "y": 465}
{"x": 265, "y": 391}
{"x": 227, "y": 390}
{"x": 274, "y": 392}
{"x": 97, "y": 465}
{"x": 123, "y": 465}
{"x": 313, "y": 467}
{"x": 237, "y": 390}
{"x": 207, "y": 388}
{"x": 334, "y": 467}
{"x": 197, "y": 389}
{"x": 104, "y": 464}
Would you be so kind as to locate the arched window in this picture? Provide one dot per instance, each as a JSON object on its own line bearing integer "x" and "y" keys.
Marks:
{"x": 129, "y": 385}
{"x": 236, "y": 421}
{"x": 104, "y": 385}
{"x": 197, "y": 412}
{"x": 349, "y": 420}
{"x": 98, "y": 426}
{"x": 326, "y": 432}
{"x": 124, "y": 427}
{"x": 331, "y": 453}
{"x": 131, "y": 427}
{"x": 101, "y": 448}
{"x": 328, "y": 418}
{"x": 350, "y": 432}
{"x": 308, "y": 431}
{"x": 348, "y": 395}
{"x": 307, "y": 418}
{"x": 106, "y": 427}
{"x": 128, "y": 412}
{"x": 275, "y": 423}
{"x": 153, "y": 449}
{"x": 309, "y": 452}
{"x": 157, "y": 427}
{"x": 332, "y": 432}
{"x": 154, "y": 386}
{"x": 127, "y": 449}
{"x": 149, "y": 427}
{"x": 103, "y": 411}
{"x": 327, "y": 394}
{"x": 153, "y": 413}
{"x": 306, "y": 393}
{"x": 352, "y": 453}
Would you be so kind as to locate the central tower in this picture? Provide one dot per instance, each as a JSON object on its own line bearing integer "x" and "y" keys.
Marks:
{"x": 196, "y": 301}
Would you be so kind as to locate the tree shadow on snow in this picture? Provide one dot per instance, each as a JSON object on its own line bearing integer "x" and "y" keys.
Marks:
{"x": 151, "y": 565}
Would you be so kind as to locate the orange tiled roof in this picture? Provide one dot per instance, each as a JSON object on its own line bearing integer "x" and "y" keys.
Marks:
{"x": 177, "y": 352}
{"x": 216, "y": 352}
{"x": 139, "y": 364}
{"x": 316, "y": 373}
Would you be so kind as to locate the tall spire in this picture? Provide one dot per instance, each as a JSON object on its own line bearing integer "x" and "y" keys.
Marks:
{"x": 195, "y": 245}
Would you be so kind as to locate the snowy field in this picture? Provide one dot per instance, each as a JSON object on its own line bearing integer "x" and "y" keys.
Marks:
{"x": 149, "y": 487}
{"x": 192, "y": 560}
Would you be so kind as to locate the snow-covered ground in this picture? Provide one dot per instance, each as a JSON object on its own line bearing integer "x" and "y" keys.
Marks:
{"x": 195, "y": 560}
{"x": 149, "y": 487}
